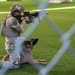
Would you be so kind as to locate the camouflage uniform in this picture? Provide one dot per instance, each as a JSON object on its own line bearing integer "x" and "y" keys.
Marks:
{"x": 11, "y": 31}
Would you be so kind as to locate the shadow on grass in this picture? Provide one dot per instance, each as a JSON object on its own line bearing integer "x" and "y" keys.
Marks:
{"x": 25, "y": 69}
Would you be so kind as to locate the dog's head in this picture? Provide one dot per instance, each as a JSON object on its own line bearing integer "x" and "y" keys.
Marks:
{"x": 30, "y": 43}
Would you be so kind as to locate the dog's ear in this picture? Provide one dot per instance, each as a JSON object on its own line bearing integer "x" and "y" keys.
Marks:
{"x": 35, "y": 41}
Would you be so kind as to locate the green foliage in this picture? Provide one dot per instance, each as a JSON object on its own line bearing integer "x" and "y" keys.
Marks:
{"x": 49, "y": 41}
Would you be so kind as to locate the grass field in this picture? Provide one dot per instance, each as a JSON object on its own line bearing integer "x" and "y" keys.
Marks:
{"x": 49, "y": 41}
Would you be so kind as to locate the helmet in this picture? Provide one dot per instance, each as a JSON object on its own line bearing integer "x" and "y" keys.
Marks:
{"x": 17, "y": 7}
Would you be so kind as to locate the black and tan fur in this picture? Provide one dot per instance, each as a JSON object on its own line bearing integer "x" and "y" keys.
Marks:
{"x": 26, "y": 54}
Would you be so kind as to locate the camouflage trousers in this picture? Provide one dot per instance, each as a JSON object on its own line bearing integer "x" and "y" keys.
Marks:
{"x": 10, "y": 48}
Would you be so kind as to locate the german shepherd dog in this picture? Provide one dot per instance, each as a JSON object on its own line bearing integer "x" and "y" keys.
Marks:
{"x": 26, "y": 54}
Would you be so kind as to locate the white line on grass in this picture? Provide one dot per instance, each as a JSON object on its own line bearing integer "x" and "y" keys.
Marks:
{"x": 60, "y": 8}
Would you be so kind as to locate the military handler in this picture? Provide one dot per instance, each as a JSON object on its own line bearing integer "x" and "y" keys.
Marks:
{"x": 12, "y": 26}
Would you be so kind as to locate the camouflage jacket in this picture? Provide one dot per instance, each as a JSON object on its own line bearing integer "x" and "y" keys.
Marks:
{"x": 11, "y": 27}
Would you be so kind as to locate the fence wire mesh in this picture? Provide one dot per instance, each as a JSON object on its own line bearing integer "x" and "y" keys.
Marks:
{"x": 65, "y": 38}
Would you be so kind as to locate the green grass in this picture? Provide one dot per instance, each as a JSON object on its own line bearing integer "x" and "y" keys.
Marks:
{"x": 29, "y": 5}
{"x": 49, "y": 41}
